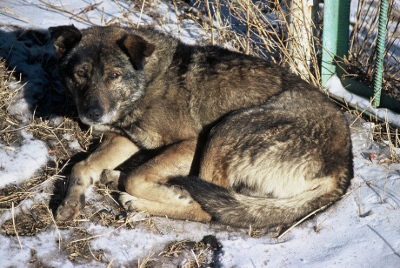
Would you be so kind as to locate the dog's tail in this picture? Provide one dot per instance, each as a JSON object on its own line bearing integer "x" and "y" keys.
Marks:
{"x": 239, "y": 210}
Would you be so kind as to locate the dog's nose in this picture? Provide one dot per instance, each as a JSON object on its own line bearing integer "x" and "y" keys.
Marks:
{"x": 94, "y": 113}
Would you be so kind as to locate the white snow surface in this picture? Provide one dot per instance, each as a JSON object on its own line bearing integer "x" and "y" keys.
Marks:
{"x": 19, "y": 163}
{"x": 361, "y": 230}
{"x": 335, "y": 87}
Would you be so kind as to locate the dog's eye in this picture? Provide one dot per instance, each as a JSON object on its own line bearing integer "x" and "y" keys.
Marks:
{"x": 114, "y": 75}
{"x": 81, "y": 73}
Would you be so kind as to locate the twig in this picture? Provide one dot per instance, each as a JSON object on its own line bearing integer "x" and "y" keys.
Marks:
{"x": 107, "y": 193}
{"x": 13, "y": 220}
{"x": 109, "y": 265}
{"x": 66, "y": 11}
{"x": 211, "y": 22}
{"x": 62, "y": 145}
{"x": 195, "y": 258}
{"x": 143, "y": 264}
{"x": 55, "y": 224}
{"x": 178, "y": 19}
{"x": 102, "y": 16}
{"x": 247, "y": 51}
{"x": 324, "y": 207}
{"x": 124, "y": 14}
{"x": 359, "y": 202}
{"x": 89, "y": 8}
{"x": 303, "y": 219}
{"x": 110, "y": 232}
{"x": 141, "y": 12}
{"x": 91, "y": 252}
{"x": 343, "y": 200}
{"x": 384, "y": 189}
{"x": 14, "y": 130}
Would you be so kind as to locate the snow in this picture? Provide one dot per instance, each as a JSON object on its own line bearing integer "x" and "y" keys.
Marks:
{"x": 19, "y": 163}
{"x": 335, "y": 87}
{"x": 361, "y": 230}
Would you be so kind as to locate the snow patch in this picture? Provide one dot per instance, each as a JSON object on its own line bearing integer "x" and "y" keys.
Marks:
{"x": 335, "y": 87}
{"x": 20, "y": 163}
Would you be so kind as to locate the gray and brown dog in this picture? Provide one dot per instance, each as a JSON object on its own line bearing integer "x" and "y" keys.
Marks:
{"x": 245, "y": 142}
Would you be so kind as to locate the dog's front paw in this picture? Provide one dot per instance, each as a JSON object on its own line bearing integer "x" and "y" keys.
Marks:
{"x": 70, "y": 208}
{"x": 113, "y": 179}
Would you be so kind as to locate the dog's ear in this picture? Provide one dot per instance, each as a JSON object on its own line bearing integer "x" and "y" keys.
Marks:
{"x": 137, "y": 49}
{"x": 64, "y": 38}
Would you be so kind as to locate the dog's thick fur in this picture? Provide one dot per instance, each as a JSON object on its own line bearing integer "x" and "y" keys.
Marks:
{"x": 251, "y": 143}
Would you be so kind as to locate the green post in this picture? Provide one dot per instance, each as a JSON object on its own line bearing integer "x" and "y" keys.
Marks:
{"x": 383, "y": 15}
{"x": 335, "y": 46}
{"x": 335, "y": 36}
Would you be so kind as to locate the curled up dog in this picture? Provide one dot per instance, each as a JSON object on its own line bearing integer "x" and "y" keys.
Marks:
{"x": 244, "y": 141}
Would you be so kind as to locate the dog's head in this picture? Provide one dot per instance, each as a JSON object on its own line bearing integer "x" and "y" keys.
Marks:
{"x": 103, "y": 68}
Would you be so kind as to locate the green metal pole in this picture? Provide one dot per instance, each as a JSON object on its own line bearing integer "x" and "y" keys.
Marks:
{"x": 383, "y": 15}
{"x": 335, "y": 44}
{"x": 335, "y": 36}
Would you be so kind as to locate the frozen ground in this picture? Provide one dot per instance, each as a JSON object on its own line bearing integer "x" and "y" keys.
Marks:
{"x": 361, "y": 230}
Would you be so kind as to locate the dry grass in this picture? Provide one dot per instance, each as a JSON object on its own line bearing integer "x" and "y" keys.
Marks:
{"x": 193, "y": 254}
{"x": 8, "y": 122}
{"x": 37, "y": 219}
{"x": 255, "y": 33}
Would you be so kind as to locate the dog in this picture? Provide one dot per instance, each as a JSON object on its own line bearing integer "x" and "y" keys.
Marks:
{"x": 243, "y": 141}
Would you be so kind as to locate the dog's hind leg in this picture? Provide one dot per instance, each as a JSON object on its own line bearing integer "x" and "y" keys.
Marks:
{"x": 187, "y": 210}
{"x": 113, "y": 151}
{"x": 147, "y": 190}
